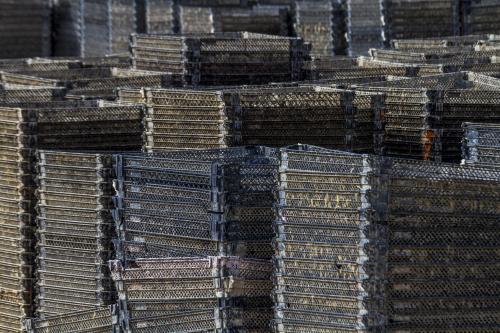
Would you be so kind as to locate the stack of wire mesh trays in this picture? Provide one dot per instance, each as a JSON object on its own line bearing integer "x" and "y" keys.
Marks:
{"x": 196, "y": 20}
{"x": 209, "y": 294}
{"x": 424, "y": 115}
{"x": 82, "y": 321}
{"x": 182, "y": 119}
{"x": 166, "y": 203}
{"x": 75, "y": 229}
{"x": 412, "y": 70}
{"x": 364, "y": 25}
{"x": 20, "y": 80}
{"x": 104, "y": 126}
{"x": 481, "y": 144}
{"x": 313, "y": 21}
{"x": 90, "y": 28}
{"x": 25, "y": 28}
{"x": 406, "y": 19}
{"x": 158, "y": 16}
{"x": 319, "y": 115}
{"x": 222, "y": 59}
{"x": 17, "y": 203}
{"x": 443, "y": 241}
{"x": 267, "y": 19}
{"x": 329, "y": 245}
{"x": 465, "y": 42}
{"x": 13, "y": 94}
{"x": 480, "y": 16}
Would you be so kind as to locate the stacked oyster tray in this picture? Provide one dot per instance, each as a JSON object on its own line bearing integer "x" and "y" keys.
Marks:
{"x": 480, "y": 16}
{"x": 365, "y": 25}
{"x": 481, "y": 144}
{"x": 83, "y": 321}
{"x": 221, "y": 59}
{"x": 159, "y": 16}
{"x": 74, "y": 232}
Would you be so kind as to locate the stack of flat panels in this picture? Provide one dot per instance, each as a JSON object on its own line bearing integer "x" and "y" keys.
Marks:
{"x": 75, "y": 228}
{"x": 25, "y": 28}
{"x": 159, "y": 16}
{"x": 194, "y": 294}
{"x": 424, "y": 116}
{"x": 89, "y": 28}
{"x": 481, "y": 144}
{"x": 421, "y": 18}
{"x": 329, "y": 246}
{"x": 264, "y": 19}
{"x": 196, "y": 20}
{"x": 17, "y": 203}
{"x": 443, "y": 241}
{"x": 327, "y": 117}
{"x": 313, "y": 21}
{"x": 365, "y": 25}
{"x": 222, "y": 59}
{"x": 83, "y": 321}
{"x": 182, "y": 119}
{"x": 480, "y": 16}
{"x": 14, "y": 94}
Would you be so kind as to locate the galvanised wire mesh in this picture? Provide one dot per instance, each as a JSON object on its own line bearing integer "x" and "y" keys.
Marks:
{"x": 159, "y": 16}
{"x": 481, "y": 144}
{"x": 365, "y": 25}
{"x": 14, "y": 94}
{"x": 74, "y": 233}
{"x": 221, "y": 59}
{"x": 82, "y": 321}
{"x": 443, "y": 242}
{"x": 329, "y": 244}
{"x": 424, "y": 115}
{"x": 467, "y": 42}
{"x": 92, "y": 28}
{"x": 196, "y": 20}
{"x": 25, "y": 28}
{"x": 410, "y": 19}
{"x": 26, "y": 81}
{"x": 193, "y": 294}
{"x": 323, "y": 116}
{"x": 314, "y": 22}
{"x": 17, "y": 203}
{"x": 480, "y": 16}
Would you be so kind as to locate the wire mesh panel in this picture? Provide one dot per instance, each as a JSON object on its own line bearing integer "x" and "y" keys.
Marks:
{"x": 407, "y": 19}
{"x": 481, "y": 144}
{"x": 15, "y": 94}
{"x": 74, "y": 233}
{"x": 16, "y": 217}
{"x": 81, "y": 321}
{"x": 196, "y": 20}
{"x": 25, "y": 28}
{"x": 443, "y": 247}
{"x": 313, "y": 21}
{"x": 465, "y": 42}
{"x": 480, "y": 16}
{"x": 424, "y": 115}
{"x": 159, "y": 16}
{"x": 221, "y": 59}
{"x": 323, "y": 116}
{"x": 365, "y": 25}
{"x": 193, "y": 294}
{"x": 329, "y": 245}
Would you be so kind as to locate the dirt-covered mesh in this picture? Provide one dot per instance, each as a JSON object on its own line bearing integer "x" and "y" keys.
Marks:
{"x": 365, "y": 27}
{"x": 74, "y": 233}
{"x": 221, "y": 58}
{"x": 159, "y": 16}
{"x": 481, "y": 144}
{"x": 479, "y": 17}
{"x": 424, "y": 115}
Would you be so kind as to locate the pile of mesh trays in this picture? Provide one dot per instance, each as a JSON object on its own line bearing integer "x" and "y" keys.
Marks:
{"x": 157, "y": 16}
{"x": 369, "y": 243}
{"x": 266, "y": 19}
{"x": 25, "y": 81}
{"x": 82, "y": 321}
{"x": 481, "y": 144}
{"x": 328, "y": 273}
{"x": 221, "y": 59}
{"x": 443, "y": 241}
{"x": 89, "y": 28}
{"x": 313, "y": 21}
{"x": 75, "y": 229}
{"x": 16, "y": 218}
{"x": 365, "y": 25}
{"x": 25, "y": 28}
{"x": 271, "y": 116}
{"x": 424, "y": 116}
{"x": 11, "y": 94}
{"x": 421, "y": 18}
{"x": 467, "y": 42}
{"x": 196, "y": 20}
{"x": 181, "y": 218}
{"x": 480, "y": 16}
